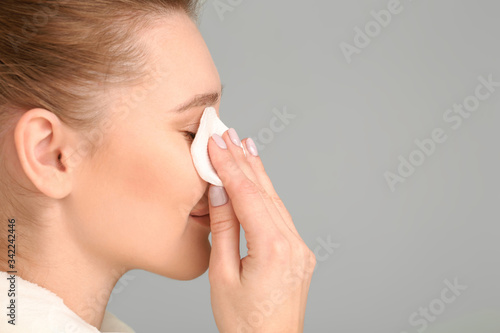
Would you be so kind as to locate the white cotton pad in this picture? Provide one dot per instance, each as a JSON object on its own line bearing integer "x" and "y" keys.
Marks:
{"x": 209, "y": 124}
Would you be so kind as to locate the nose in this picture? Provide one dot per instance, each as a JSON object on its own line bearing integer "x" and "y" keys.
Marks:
{"x": 201, "y": 207}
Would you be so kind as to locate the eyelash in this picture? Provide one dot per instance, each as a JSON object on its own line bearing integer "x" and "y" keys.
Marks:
{"x": 190, "y": 135}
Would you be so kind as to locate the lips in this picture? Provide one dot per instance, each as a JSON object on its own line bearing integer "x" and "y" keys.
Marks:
{"x": 203, "y": 220}
{"x": 199, "y": 214}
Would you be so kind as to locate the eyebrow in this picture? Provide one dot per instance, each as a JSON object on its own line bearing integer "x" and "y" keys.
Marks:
{"x": 200, "y": 100}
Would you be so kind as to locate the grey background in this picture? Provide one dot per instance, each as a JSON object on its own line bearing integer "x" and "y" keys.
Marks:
{"x": 352, "y": 121}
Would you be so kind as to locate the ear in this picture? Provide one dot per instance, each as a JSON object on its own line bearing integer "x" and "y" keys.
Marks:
{"x": 41, "y": 141}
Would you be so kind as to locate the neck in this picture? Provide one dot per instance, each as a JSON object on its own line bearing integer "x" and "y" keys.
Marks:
{"x": 56, "y": 262}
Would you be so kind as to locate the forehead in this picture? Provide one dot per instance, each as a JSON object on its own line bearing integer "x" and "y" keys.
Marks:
{"x": 180, "y": 53}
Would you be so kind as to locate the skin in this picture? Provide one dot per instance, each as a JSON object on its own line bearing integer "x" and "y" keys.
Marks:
{"x": 266, "y": 291}
{"x": 128, "y": 207}
{"x": 138, "y": 189}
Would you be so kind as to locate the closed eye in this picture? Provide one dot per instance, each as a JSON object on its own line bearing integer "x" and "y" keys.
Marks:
{"x": 190, "y": 135}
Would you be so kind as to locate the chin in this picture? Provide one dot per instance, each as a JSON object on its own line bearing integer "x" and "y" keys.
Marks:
{"x": 191, "y": 266}
{"x": 192, "y": 274}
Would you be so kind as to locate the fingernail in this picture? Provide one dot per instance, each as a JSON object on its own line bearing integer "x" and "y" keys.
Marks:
{"x": 218, "y": 196}
{"x": 219, "y": 141}
{"x": 252, "y": 148}
{"x": 234, "y": 137}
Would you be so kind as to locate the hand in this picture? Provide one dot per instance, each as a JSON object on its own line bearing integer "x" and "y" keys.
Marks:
{"x": 266, "y": 291}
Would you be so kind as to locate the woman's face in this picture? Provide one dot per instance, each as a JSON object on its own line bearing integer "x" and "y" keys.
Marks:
{"x": 133, "y": 199}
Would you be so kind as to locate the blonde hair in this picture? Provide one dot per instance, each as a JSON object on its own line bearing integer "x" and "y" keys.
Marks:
{"x": 59, "y": 55}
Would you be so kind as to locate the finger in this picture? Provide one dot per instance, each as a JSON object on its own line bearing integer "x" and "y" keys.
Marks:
{"x": 239, "y": 153}
{"x": 242, "y": 161}
{"x": 246, "y": 198}
{"x": 225, "y": 229}
{"x": 263, "y": 179}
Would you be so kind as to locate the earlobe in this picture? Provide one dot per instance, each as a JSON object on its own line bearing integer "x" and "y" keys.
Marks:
{"x": 41, "y": 140}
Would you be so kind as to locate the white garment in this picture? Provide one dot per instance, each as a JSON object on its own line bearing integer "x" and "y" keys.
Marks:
{"x": 38, "y": 310}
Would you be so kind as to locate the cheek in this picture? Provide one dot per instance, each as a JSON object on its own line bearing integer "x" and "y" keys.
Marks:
{"x": 165, "y": 175}
{"x": 143, "y": 192}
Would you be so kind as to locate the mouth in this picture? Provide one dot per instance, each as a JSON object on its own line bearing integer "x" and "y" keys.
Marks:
{"x": 204, "y": 220}
{"x": 199, "y": 213}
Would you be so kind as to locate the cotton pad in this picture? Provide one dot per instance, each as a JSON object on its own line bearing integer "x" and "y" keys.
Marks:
{"x": 209, "y": 124}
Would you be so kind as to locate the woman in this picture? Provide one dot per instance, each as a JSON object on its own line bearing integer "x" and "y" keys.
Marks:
{"x": 100, "y": 101}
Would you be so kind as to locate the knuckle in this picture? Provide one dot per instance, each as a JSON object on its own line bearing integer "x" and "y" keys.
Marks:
{"x": 261, "y": 189}
{"x": 280, "y": 248}
{"x": 277, "y": 199}
{"x": 226, "y": 169}
{"x": 312, "y": 259}
{"x": 305, "y": 251}
{"x": 246, "y": 186}
{"x": 304, "y": 267}
{"x": 307, "y": 257}
{"x": 221, "y": 225}
{"x": 263, "y": 193}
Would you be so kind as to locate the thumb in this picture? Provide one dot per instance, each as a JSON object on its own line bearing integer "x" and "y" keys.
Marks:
{"x": 225, "y": 229}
